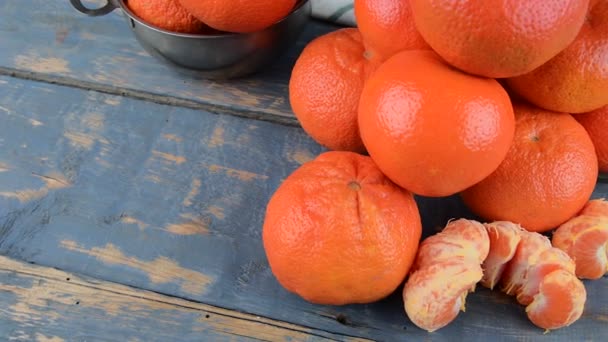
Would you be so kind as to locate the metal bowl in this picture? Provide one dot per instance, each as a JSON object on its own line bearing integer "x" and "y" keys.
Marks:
{"x": 219, "y": 56}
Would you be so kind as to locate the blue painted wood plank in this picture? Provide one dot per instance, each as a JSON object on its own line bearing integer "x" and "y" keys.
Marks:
{"x": 172, "y": 200}
{"x": 47, "y": 305}
{"x": 50, "y": 38}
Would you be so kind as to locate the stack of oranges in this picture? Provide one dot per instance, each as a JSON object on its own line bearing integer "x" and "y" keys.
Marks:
{"x": 208, "y": 16}
{"x": 504, "y": 103}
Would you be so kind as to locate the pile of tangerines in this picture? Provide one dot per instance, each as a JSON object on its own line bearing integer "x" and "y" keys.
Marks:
{"x": 504, "y": 103}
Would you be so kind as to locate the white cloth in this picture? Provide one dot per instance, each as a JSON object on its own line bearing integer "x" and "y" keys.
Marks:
{"x": 338, "y": 11}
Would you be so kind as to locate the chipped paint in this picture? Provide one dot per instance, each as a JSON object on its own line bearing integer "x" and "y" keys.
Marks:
{"x": 301, "y": 156}
{"x": 153, "y": 178}
{"x": 169, "y": 157}
{"x": 240, "y": 174}
{"x": 19, "y": 335}
{"x": 42, "y": 338}
{"x": 80, "y": 139}
{"x": 217, "y": 137}
{"x": 603, "y": 318}
{"x": 35, "y": 122}
{"x": 194, "y": 190}
{"x": 93, "y": 121}
{"x": 50, "y": 299}
{"x": 113, "y": 100}
{"x": 132, "y": 220}
{"x": 103, "y": 162}
{"x": 172, "y": 137}
{"x": 161, "y": 270}
{"x": 49, "y": 65}
{"x": 31, "y": 121}
{"x": 216, "y": 211}
{"x": 53, "y": 181}
{"x": 4, "y": 167}
{"x": 191, "y": 225}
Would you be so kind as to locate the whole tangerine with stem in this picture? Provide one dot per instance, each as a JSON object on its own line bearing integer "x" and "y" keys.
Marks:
{"x": 547, "y": 176}
{"x": 337, "y": 231}
{"x": 325, "y": 87}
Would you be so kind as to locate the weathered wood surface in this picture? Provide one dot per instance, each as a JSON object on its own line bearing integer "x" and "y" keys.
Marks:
{"x": 48, "y": 305}
{"x": 51, "y": 41}
{"x": 171, "y": 200}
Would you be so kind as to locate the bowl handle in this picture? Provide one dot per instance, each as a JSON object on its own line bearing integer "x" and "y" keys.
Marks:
{"x": 105, "y": 9}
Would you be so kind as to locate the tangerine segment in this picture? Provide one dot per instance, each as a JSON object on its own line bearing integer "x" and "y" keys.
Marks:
{"x": 527, "y": 254}
{"x": 559, "y": 302}
{"x": 596, "y": 207}
{"x": 447, "y": 267}
{"x": 585, "y": 239}
{"x": 463, "y": 240}
{"x": 550, "y": 260}
{"x": 504, "y": 238}
{"x": 434, "y": 295}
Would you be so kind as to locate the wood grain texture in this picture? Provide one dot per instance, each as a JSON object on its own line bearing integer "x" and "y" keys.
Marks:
{"x": 59, "y": 44}
{"x": 172, "y": 200}
{"x": 48, "y": 305}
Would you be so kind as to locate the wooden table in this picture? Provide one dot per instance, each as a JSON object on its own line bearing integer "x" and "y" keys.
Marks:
{"x": 132, "y": 200}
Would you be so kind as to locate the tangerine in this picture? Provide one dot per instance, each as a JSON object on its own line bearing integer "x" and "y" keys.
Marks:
{"x": 337, "y": 231}
{"x": 325, "y": 87}
{"x": 596, "y": 124}
{"x": 504, "y": 39}
{"x": 547, "y": 176}
{"x": 241, "y": 16}
{"x": 387, "y": 27}
{"x": 166, "y": 14}
{"x": 433, "y": 129}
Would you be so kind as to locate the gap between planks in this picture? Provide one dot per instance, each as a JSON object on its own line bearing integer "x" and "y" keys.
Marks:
{"x": 277, "y": 118}
{"x": 243, "y": 324}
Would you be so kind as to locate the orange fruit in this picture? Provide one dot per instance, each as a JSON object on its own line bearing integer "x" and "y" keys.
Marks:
{"x": 504, "y": 239}
{"x": 585, "y": 239}
{"x": 540, "y": 276}
{"x": 325, "y": 87}
{"x": 387, "y": 27}
{"x": 547, "y": 176}
{"x": 576, "y": 80}
{"x": 596, "y": 124}
{"x": 432, "y": 129}
{"x": 560, "y": 301}
{"x": 166, "y": 14}
{"x": 240, "y": 16}
{"x": 447, "y": 268}
{"x": 337, "y": 231}
{"x": 500, "y": 38}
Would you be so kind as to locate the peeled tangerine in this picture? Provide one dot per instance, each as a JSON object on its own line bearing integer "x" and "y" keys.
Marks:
{"x": 585, "y": 239}
{"x": 447, "y": 268}
{"x": 540, "y": 276}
